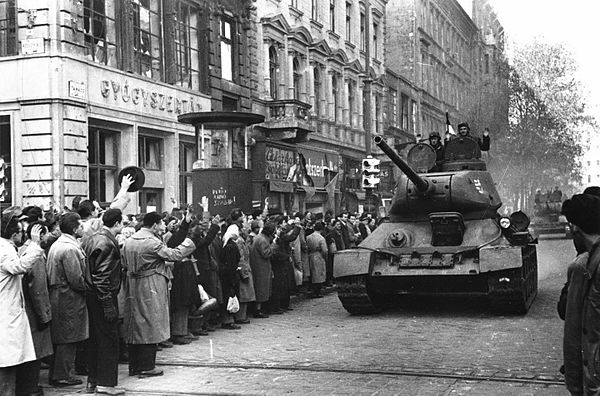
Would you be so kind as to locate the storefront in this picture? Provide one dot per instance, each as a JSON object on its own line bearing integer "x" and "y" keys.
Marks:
{"x": 74, "y": 126}
{"x": 296, "y": 177}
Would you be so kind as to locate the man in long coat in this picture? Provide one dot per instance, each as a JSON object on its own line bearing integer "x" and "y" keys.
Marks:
{"x": 39, "y": 313}
{"x": 317, "y": 258}
{"x": 260, "y": 261}
{"x": 147, "y": 294}
{"x": 16, "y": 342}
{"x": 66, "y": 277}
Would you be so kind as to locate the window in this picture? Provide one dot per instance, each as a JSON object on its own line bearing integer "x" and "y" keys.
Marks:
{"x": 317, "y": 93}
{"x": 99, "y": 31}
{"x": 147, "y": 38}
{"x": 393, "y": 107}
{"x": 351, "y": 102}
{"x": 150, "y": 153}
{"x": 363, "y": 31}
{"x": 8, "y": 31}
{"x": 332, "y": 15}
{"x": 375, "y": 40}
{"x": 486, "y": 60}
{"x": 187, "y": 39}
{"x": 377, "y": 114}
{"x": 294, "y": 3}
{"x": 297, "y": 79}
{"x": 314, "y": 14}
{"x": 334, "y": 95}
{"x": 413, "y": 114}
{"x": 404, "y": 112}
{"x": 365, "y": 95}
{"x": 348, "y": 22}
{"x": 273, "y": 69}
{"x": 5, "y": 163}
{"x": 150, "y": 200}
{"x": 187, "y": 156}
{"x": 103, "y": 161}
{"x": 227, "y": 35}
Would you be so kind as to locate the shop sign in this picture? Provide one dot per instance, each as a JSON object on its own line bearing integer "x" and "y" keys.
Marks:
{"x": 278, "y": 162}
{"x": 32, "y": 46}
{"x": 147, "y": 98}
{"x": 319, "y": 164}
{"x": 77, "y": 90}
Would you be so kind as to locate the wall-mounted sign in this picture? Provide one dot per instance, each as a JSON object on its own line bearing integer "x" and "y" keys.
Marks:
{"x": 77, "y": 90}
{"x": 32, "y": 46}
{"x": 147, "y": 98}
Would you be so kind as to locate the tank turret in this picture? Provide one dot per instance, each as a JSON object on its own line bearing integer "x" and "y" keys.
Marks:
{"x": 470, "y": 191}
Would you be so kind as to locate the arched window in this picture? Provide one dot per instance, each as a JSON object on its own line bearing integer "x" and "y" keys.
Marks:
{"x": 351, "y": 94}
{"x": 273, "y": 69}
{"x": 334, "y": 95}
{"x": 317, "y": 93}
{"x": 297, "y": 79}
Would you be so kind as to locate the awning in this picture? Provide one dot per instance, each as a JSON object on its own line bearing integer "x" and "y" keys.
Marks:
{"x": 281, "y": 186}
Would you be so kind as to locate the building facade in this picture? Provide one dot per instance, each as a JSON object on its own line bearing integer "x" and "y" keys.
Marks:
{"x": 97, "y": 85}
{"x": 452, "y": 59}
{"x": 321, "y": 87}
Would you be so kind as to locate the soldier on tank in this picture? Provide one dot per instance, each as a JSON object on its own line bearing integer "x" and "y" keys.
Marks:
{"x": 465, "y": 131}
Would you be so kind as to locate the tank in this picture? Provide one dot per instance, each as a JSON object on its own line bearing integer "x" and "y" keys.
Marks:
{"x": 444, "y": 236}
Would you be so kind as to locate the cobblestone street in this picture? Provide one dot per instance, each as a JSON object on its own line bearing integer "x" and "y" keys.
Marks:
{"x": 432, "y": 346}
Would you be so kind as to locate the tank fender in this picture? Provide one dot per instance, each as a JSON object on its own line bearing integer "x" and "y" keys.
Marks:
{"x": 498, "y": 258}
{"x": 351, "y": 262}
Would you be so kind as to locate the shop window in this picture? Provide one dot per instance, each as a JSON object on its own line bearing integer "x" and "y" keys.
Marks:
{"x": 273, "y": 72}
{"x": 100, "y": 31}
{"x": 8, "y": 31}
{"x": 150, "y": 153}
{"x": 187, "y": 45}
{"x": 147, "y": 38}
{"x": 150, "y": 200}
{"x": 187, "y": 156}
{"x": 103, "y": 163}
{"x": 227, "y": 58}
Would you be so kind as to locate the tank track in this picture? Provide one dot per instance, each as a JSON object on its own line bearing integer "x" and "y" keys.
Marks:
{"x": 352, "y": 292}
{"x": 519, "y": 295}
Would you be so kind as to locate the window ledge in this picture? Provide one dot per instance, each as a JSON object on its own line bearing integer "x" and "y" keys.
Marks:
{"x": 350, "y": 45}
{"x": 333, "y": 35}
{"x": 295, "y": 12}
{"x": 316, "y": 24}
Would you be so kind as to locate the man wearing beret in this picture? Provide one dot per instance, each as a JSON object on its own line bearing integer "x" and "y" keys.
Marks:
{"x": 582, "y": 335}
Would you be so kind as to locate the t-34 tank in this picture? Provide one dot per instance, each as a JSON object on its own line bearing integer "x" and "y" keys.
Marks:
{"x": 444, "y": 236}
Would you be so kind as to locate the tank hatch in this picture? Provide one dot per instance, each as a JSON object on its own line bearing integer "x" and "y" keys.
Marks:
{"x": 421, "y": 157}
{"x": 447, "y": 228}
{"x": 462, "y": 153}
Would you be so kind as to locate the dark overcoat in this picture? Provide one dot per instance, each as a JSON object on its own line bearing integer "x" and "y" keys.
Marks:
{"x": 261, "y": 251}
{"x": 66, "y": 279}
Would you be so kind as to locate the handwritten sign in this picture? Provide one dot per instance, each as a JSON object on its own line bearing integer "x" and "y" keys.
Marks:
{"x": 221, "y": 197}
{"x": 278, "y": 162}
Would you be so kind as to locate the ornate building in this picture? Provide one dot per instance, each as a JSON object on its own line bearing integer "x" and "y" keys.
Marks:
{"x": 321, "y": 87}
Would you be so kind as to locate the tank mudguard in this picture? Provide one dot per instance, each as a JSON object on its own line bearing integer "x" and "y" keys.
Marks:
{"x": 498, "y": 258}
{"x": 351, "y": 262}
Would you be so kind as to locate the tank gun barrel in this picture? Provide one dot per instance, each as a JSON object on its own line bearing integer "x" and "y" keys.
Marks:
{"x": 421, "y": 183}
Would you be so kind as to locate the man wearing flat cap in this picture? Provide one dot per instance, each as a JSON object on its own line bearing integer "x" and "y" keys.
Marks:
{"x": 582, "y": 335}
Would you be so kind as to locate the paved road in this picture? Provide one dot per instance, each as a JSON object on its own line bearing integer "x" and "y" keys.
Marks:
{"x": 426, "y": 347}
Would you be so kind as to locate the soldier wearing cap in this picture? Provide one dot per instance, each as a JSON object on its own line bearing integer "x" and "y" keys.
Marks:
{"x": 464, "y": 131}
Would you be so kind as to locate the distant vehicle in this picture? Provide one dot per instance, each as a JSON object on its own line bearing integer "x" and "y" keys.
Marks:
{"x": 547, "y": 219}
{"x": 444, "y": 236}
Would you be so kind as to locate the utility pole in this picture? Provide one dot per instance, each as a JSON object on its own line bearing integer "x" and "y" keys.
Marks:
{"x": 367, "y": 89}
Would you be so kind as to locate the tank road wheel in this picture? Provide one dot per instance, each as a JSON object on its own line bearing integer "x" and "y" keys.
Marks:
{"x": 352, "y": 292}
{"x": 513, "y": 291}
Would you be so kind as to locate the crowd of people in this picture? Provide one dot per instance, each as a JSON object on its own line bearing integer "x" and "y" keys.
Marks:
{"x": 86, "y": 288}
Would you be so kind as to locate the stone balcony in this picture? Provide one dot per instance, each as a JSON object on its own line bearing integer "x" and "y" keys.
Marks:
{"x": 289, "y": 120}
